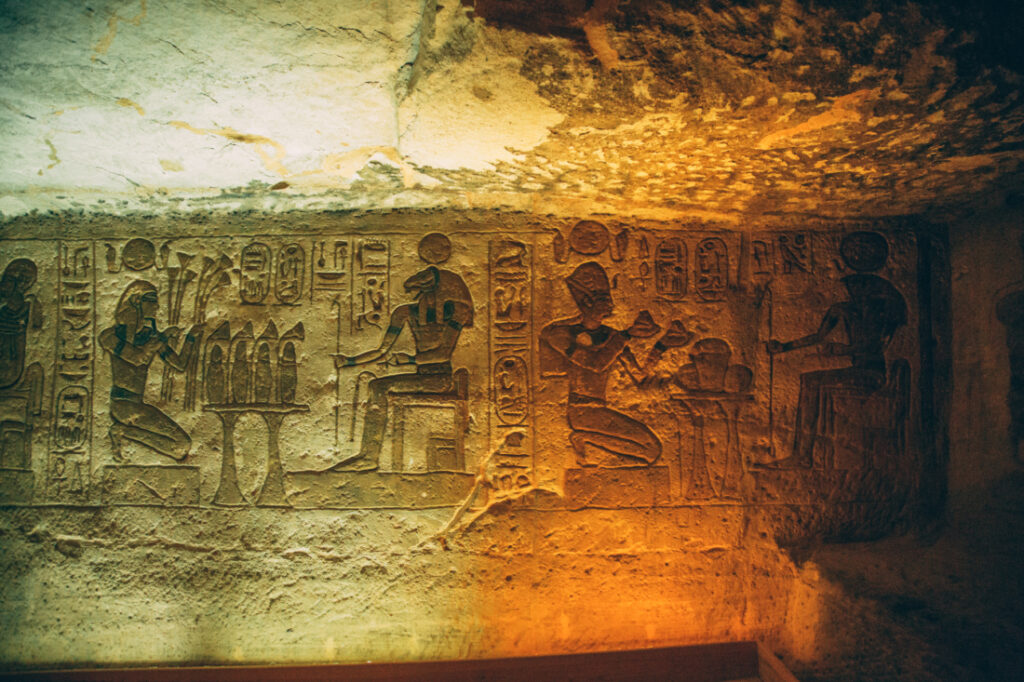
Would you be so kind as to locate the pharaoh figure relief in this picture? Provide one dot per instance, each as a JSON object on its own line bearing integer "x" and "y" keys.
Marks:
{"x": 132, "y": 344}
{"x": 587, "y": 349}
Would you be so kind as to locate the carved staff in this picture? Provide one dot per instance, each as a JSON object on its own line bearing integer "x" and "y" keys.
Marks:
{"x": 167, "y": 379}
{"x": 336, "y": 303}
{"x": 767, "y": 296}
{"x": 185, "y": 278}
{"x": 214, "y": 276}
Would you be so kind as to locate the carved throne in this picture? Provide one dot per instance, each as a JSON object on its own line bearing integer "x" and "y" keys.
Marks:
{"x": 442, "y": 454}
{"x": 20, "y": 406}
{"x": 864, "y": 428}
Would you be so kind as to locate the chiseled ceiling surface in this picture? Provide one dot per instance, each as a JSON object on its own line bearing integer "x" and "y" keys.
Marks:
{"x": 644, "y": 107}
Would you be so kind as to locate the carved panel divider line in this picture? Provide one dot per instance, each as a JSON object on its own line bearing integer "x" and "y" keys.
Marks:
{"x": 68, "y": 471}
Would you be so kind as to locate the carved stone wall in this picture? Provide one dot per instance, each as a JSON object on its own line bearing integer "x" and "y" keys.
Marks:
{"x": 328, "y": 422}
{"x": 987, "y": 425}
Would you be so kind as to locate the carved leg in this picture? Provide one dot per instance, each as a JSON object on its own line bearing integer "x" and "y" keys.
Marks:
{"x": 398, "y": 440}
{"x": 461, "y": 426}
{"x": 272, "y": 492}
{"x": 116, "y": 435}
{"x": 631, "y": 442}
{"x": 228, "y": 493}
{"x": 733, "y": 459}
{"x": 700, "y": 479}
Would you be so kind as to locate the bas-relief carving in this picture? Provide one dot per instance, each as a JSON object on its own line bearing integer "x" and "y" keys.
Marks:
{"x": 871, "y": 314}
{"x": 440, "y": 308}
{"x": 21, "y": 383}
{"x": 624, "y": 365}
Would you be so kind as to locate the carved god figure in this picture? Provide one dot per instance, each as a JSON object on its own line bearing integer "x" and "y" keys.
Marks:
{"x": 870, "y": 317}
{"x": 441, "y": 308}
{"x": 18, "y": 310}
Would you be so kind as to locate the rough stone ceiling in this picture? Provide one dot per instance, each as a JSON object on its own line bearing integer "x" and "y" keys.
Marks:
{"x": 644, "y": 107}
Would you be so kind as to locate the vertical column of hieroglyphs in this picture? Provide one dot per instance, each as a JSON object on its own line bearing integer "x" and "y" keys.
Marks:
{"x": 68, "y": 469}
{"x": 370, "y": 286}
{"x": 370, "y": 300}
{"x": 331, "y": 281}
{"x": 511, "y": 311}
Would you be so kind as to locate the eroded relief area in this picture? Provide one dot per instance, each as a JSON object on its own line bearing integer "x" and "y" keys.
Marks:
{"x": 1009, "y": 309}
{"x": 581, "y": 365}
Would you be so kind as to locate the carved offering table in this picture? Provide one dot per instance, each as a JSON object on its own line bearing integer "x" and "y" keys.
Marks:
{"x": 697, "y": 406}
{"x": 272, "y": 491}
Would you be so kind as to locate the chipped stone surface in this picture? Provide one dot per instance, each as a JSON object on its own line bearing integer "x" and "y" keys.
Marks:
{"x": 743, "y": 109}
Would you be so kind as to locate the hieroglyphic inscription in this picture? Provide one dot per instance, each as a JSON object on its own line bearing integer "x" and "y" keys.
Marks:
{"x": 511, "y": 300}
{"x": 795, "y": 254}
{"x": 670, "y": 268}
{"x": 254, "y": 282}
{"x": 370, "y": 291}
{"x": 720, "y": 388}
{"x": 762, "y": 260}
{"x": 643, "y": 274}
{"x": 712, "y": 269}
{"x": 589, "y": 238}
{"x": 68, "y": 468}
{"x": 291, "y": 273}
{"x": 331, "y": 265}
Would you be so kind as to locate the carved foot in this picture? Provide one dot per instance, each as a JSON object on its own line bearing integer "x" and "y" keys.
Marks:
{"x": 355, "y": 463}
{"x": 358, "y": 466}
{"x": 792, "y": 462}
{"x": 115, "y": 444}
{"x": 178, "y": 456}
{"x": 579, "y": 447}
{"x": 625, "y": 462}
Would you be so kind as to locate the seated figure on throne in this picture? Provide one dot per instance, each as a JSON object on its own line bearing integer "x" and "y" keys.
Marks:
{"x": 18, "y": 311}
{"x": 441, "y": 308}
{"x": 21, "y": 386}
{"x": 870, "y": 317}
